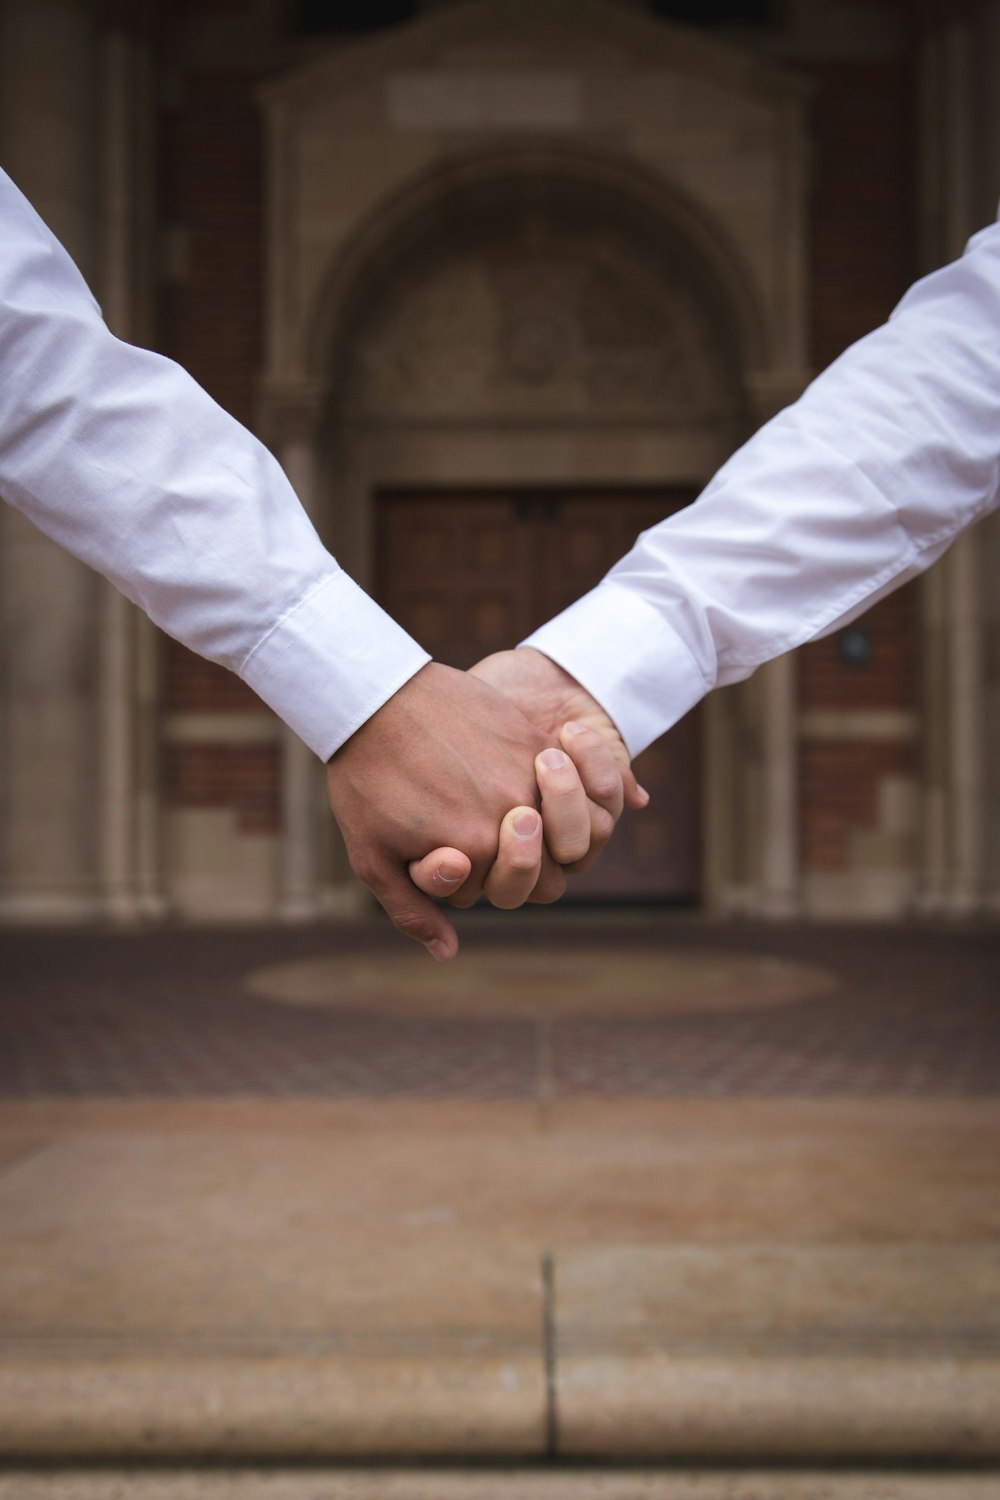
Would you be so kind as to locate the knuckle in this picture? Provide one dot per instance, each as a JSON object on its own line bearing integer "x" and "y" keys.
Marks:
{"x": 521, "y": 861}
{"x": 551, "y": 887}
{"x": 570, "y": 847}
{"x": 366, "y": 869}
{"x": 562, "y": 785}
{"x": 603, "y": 785}
{"x": 602, "y": 826}
{"x": 480, "y": 846}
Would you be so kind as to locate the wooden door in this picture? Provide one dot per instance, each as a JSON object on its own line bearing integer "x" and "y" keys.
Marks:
{"x": 472, "y": 573}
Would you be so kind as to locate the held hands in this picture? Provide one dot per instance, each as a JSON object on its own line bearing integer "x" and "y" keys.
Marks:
{"x": 467, "y": 758}
{"x": 590, "y": 781}
{"x": 557, "y": 704}
{"x": 441, "y": 763}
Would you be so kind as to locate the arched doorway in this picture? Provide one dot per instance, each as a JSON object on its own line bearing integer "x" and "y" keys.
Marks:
{"x": 533, "y": 369}
{"x": 493, "y": 267}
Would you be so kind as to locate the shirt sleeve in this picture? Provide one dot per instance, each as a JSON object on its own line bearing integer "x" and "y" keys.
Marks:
{"x": 117, "y": 454}
{"x": 842, "y": 497}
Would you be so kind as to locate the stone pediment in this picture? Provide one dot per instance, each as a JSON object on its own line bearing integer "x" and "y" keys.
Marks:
{"x": 534, "y": 326}
{"x": 365, "y": 131}
{"x": 511, "y": 35}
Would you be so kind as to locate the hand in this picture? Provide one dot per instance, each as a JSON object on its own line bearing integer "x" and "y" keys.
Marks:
{"x": 513, "y": 876}
{"x": 446, "y": 764}
{"x": 561, "y": 707}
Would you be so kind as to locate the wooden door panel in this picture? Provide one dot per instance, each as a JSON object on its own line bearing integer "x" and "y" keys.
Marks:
{"x": 471, "y": 574}
{"x": 455, "y": 574}
{"x": 655, "y": 853}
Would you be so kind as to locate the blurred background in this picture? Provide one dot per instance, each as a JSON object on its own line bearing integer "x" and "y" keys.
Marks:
{"x": 501, "y": 284}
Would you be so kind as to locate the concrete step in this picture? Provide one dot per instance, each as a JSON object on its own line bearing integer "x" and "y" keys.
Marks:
{"x": 798, "y": 1352}
{"x": 777, "y": 1352}
{"x": 506, "y": 1484}
{"x": 301, "y": 1283}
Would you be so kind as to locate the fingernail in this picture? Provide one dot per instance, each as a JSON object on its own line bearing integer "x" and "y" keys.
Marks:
{"x": 572, "y": 726}
{"x": 449, "y": 873}
{"x": 526, "y": 825}
{"x": 554, "y": 760}
{"x": 439, "y": 949}
{"x": 643, "y": 794}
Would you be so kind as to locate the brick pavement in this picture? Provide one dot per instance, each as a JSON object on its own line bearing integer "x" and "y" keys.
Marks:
{"x": 913, "y": 1011}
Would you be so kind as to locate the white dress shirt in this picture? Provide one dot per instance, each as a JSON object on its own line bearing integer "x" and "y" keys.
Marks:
{"x": 858, "y": 486}
{"x": 122, "y": 458}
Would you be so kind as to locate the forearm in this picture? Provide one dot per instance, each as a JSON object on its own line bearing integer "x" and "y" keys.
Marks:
{"x": 857, "y": 487}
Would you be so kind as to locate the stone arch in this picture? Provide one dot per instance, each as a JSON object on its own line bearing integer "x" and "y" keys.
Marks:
{"x": 694, "y": 152}
{"x": 547, "y": 179}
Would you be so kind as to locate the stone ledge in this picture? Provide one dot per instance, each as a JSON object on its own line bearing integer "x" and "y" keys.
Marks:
{"x": 808, "y": 1409}
{"x": 484, "y": 1484}
{"x": 791, "y": 1352}
{"x": 292, "y": 1409}
{"x": 651, "y": 1408}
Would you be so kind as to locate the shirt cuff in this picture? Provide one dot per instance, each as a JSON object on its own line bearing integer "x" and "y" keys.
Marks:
{"x": 331, "y": 662}
{"x": 620, "y": 648}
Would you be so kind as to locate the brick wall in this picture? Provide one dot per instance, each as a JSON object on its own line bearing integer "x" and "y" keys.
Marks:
{"x": 862, "y": 229}
{"x": 889, "y": 679}
{"x": 863, "y": 256}
{"x": 211, "y": 208}
{"x": 840, "y": 786}
{"x": 212, "y": 188}
{"x": 243, "y": 778}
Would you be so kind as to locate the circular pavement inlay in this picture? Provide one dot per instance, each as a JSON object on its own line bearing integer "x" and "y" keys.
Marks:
{"x": 507, "y": 982}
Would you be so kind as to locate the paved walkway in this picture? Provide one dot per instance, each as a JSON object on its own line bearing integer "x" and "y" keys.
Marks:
{"x": 652, "y": 1191}
{"x": 585, "y": 1006}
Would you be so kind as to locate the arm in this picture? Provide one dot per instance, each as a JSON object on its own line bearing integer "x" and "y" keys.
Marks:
{"x": 844, "y": 496}
{"x": 118, "y": 454}
{"x": 123, "y": 459}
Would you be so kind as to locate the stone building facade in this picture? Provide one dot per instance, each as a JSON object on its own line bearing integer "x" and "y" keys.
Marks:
{"x": 500, "y": 282}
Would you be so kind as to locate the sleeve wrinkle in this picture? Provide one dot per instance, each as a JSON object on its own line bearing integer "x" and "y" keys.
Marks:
{"x": 283, "y": 619}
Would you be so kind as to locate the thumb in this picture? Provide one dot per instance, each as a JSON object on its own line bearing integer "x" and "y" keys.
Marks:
{"x": 441, "y": 873}
{"x": 416, "y": 916}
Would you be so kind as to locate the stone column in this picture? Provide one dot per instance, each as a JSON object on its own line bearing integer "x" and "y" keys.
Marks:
{"x": 955, "y": 141}
{"x": 989, "y": 538}
{"x": 779, "y": 855}
{"x": 129, "y": 852}
{"x": 987, "y": 53}
{"x": 967, "y": 770}
{"x": 933, "y": 890}
{"x": 986, "y": 61}
{"x": 49, "y": 602}
{"x": 778, "y": 880}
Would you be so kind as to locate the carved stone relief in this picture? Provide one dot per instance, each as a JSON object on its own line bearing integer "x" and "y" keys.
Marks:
{"x": 534, "y": 323}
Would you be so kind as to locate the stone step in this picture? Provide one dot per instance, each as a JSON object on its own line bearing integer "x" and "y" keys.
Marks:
{"x": 798, "y": 1352}
{"x": 773, "y": 1353}
{"x": 507, "y": 1484}
{"x": 660, "y": 1282}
